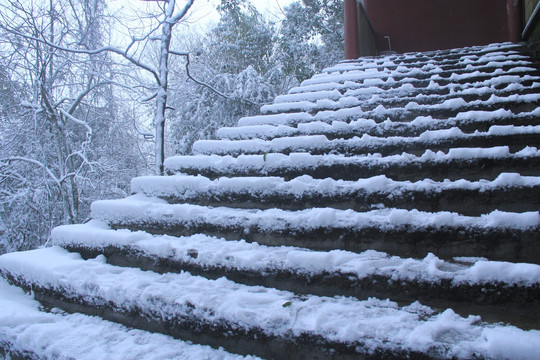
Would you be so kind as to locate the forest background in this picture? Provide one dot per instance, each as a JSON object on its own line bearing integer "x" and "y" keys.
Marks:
{"x": 81, "y": 107}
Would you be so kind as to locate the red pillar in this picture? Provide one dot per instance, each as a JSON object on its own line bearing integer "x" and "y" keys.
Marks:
{"x": 351, "y": 30}
{"x": 515, "y": 27}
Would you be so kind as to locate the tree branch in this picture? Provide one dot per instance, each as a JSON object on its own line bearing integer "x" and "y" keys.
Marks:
{"x": 38, "y": 163}
{"x": 208, "y": 86}
{"x": 88, "y": 52}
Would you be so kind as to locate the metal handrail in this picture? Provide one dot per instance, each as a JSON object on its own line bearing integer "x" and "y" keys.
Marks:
{"x": 534, "y": 17}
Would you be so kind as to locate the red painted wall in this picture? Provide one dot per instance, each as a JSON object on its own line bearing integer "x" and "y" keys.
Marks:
{"x": 419, "y": 25}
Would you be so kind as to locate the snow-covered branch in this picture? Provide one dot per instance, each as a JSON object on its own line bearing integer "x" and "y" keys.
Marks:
{"x": 208, "y": 86}
{"x": 103, "y": 49}
{"x": 35, "y": 162}
{"x": 76, "y": 121}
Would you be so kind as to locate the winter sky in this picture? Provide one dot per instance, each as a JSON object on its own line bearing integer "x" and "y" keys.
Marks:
{"x": 203, "y": 13}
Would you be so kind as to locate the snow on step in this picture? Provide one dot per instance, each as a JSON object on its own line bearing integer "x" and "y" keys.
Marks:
{"x": 313, "y": 96}
{"x": 212, "y": 251}
{"x": 27, "y": 330}
{"x": 390, "y": 85}
{"x": 342, "y": 102}
{"x": 411, "y": 70}
{"x": 457, "y": 104}
{"x": 465, "y": 55}
{"x": 425, "y": 61}
{"x": 370, "y": 126}
{"x": 402, "y": 88}
{"x": 182, "y": 186}
{"x": 273, "y": 162}
{"x": 366, "y": 326}
{"x": 320, "y": 143}
{"x": 141, "y": 209}
{"x": 491, "y": 284}
{"x": 511, "y": 190}
{"x": 481, "y": 70}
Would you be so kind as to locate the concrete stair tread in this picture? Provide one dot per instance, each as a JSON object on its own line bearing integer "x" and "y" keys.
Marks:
{"x": 207, "y": 307}
{"x": 447, "y": 108}
{"x": 408, "y": 233}
{"x": 29, "y": 332}
{"x": 457, "y": 163}
{"x": 467, "y": 121}
{"x": 419, "y": 90}
{"x": 495, "y": 286}
{"x": 430, "y": 139}
{"x": 519, "y": 193}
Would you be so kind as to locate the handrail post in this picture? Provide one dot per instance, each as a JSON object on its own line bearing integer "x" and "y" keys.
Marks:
{"x": 351, "y": 30}
{"x": 514, "y": 13}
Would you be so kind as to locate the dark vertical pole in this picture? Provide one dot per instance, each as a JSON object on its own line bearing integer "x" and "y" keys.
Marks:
{"x": 514, "y": 13}
{"x": 351, "y": 30}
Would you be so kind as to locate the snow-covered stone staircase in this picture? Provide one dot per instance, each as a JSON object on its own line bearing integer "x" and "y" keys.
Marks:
{"x": 387, "y": 208}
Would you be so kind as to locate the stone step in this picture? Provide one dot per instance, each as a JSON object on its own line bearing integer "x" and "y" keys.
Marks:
{"x": 446, "y": 109}
{"x": 459, "y": 163}
{"x": 421, "y": 60}
{"x": 433, "y": 84}
{"x": 498, "y": 291}
{"x": 468, "y": 122}
{"x": 257, "y": 320}
{"x": 437, "y": 77}
{"x": 458, "y": 76}
{"x": 499, "y": 85}
{"x": 499, "y": 235}
{"x": 402, "y": 97}
{"x": 516, "y": 137}
{"x": 451, "y": 55}
{"x": 30, "y": 332}
{"x": 509, "y": 192}
{"x": 427, "y": 63}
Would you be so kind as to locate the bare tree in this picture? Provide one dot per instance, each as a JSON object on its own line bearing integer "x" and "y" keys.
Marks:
{"x": 59, "y": 105}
